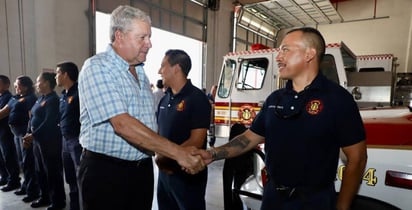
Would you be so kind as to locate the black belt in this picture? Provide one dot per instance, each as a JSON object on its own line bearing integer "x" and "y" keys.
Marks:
{"x": 118, "y": 161}
{"x": 293, "y": 192}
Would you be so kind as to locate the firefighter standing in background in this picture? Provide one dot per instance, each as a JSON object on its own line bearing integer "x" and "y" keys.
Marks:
{"x": 18, "y": 109}
{"x": 183, "y": 117}
{"x": 7, "y": 146}
{"x": 44, "y": 135}
{"x": 66, "y": 77}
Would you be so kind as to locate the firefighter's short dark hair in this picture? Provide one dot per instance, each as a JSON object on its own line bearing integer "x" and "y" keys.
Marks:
{"x": 314, "y": 39}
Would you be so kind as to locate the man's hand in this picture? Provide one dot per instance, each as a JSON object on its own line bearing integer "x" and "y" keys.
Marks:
{"x": 27, "y": 140}
{"x": 192, "y": 164}
{"x": 207, "y": 155}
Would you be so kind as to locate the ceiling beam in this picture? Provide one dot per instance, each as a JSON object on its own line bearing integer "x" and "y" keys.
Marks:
{"x": 244, "y": 2}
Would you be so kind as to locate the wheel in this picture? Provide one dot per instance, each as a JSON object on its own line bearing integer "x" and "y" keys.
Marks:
{"x": 364, "y": 203}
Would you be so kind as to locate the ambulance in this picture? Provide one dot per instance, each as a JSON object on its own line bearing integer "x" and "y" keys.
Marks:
{"x": 248, "y": 77}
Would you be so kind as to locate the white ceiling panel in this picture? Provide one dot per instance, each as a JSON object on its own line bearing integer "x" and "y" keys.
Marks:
{"x": 293, "y": 13}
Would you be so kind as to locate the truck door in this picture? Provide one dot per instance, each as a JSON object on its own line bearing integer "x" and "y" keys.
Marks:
{"x": 245, "y": 82}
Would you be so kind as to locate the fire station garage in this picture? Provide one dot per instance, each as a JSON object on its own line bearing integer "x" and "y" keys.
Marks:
{"x": 238, "y": 60}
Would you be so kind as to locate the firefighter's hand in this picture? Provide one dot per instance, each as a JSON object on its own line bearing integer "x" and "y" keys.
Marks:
{"x": 207, "y": 155}
{"x": 165, "y": 164}
{"x": 27, "y": 141}
{"x": 191, "y": 164}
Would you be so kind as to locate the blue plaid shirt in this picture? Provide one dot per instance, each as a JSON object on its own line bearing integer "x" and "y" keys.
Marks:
{"x": 107, "y": 89}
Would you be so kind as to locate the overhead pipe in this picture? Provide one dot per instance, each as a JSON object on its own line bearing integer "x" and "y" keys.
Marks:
{"x": 22, "y": 36}
{"x": 236, "y": 13}
{"x": 256, "y": 32}
{"x": 92, "y": 27}
{"x": 365, "y": 19}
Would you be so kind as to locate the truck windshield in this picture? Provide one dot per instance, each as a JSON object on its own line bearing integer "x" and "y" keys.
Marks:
{"x": 226, "y": 78}
{"x": 252, "y": 73}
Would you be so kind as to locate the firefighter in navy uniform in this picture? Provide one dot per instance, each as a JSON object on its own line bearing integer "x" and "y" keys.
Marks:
{"x": 183, "y": 117}
{"x": 304, "y": 126}
{"x": 7, "y": 146}
{"x": 45, "y": 137}
{"x": 66, "y": 77}
{"x": 3, "y": 171}
{"x": 18, "y": 109}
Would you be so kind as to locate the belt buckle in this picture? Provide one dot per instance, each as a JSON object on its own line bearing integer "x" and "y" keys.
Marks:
{"x": 138, "y": 163}
{"x": 286, "y": 191}
{"x": 281, "y": 188}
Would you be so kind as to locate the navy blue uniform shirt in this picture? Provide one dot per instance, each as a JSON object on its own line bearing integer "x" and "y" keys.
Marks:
{"x": 70, "y": 112}
{"x": 179, "y": 114}
{"x": 304, "y": 131}
{"x": 45, "y": 117}
{"x": 4, "y": 99}
{"x": 19, "y": 109}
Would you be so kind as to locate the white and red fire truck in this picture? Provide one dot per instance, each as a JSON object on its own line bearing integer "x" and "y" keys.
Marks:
{"x": 248, "y": 77}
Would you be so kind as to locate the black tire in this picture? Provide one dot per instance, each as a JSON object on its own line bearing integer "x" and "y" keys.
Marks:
{"x": 364, "y": 203}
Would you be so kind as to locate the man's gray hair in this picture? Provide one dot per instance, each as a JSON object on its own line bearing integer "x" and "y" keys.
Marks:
{"x": 122, "y": 17}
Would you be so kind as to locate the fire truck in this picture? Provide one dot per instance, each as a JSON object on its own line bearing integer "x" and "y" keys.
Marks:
{"x": 248, "y": 77}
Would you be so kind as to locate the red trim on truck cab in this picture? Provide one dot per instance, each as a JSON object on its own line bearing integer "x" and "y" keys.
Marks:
{"x": 389, "y": 131}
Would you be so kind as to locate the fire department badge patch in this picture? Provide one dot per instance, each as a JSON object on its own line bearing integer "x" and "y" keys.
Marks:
{"x": 246, "y": 114}
{"x": 314, "y": 107}
{"x": 181, "y": 106}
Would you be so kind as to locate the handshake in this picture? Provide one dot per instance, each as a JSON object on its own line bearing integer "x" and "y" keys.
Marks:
{"x": 190, "y": 159}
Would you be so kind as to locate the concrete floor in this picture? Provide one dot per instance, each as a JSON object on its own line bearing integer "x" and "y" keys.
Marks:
{"x": 214, "y": 191}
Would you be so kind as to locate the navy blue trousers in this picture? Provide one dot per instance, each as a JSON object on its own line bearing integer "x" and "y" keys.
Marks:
{"x": 181, "y": 191}
{"x": 49, "y": 169}
{"x": 72, "y": 151}
{"x": 26, "y": 159}
{"x": 8, "y": 151}
{"x": 3, "y": 170}
{"x": 324, "y": 199}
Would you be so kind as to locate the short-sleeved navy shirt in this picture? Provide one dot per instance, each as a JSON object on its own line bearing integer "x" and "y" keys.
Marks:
{"x": 44, "y": 121}
{"x": 179, "y": 114}
{"x": 4, "y": 99}
{"x": 19, "y": 109}
{"x": 305, "y": 130}
{"x": 70, "y": 112}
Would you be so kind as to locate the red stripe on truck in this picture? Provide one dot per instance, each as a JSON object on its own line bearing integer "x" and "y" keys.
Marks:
{"x": 389, "y": 131}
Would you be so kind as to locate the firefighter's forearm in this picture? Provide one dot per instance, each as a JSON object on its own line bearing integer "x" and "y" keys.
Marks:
{"x": 237, "y": 146}
{"x": 350, "y": 184}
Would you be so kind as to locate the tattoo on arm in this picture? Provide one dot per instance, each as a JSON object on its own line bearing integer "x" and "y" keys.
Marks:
{"x": 237, "y": 144}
